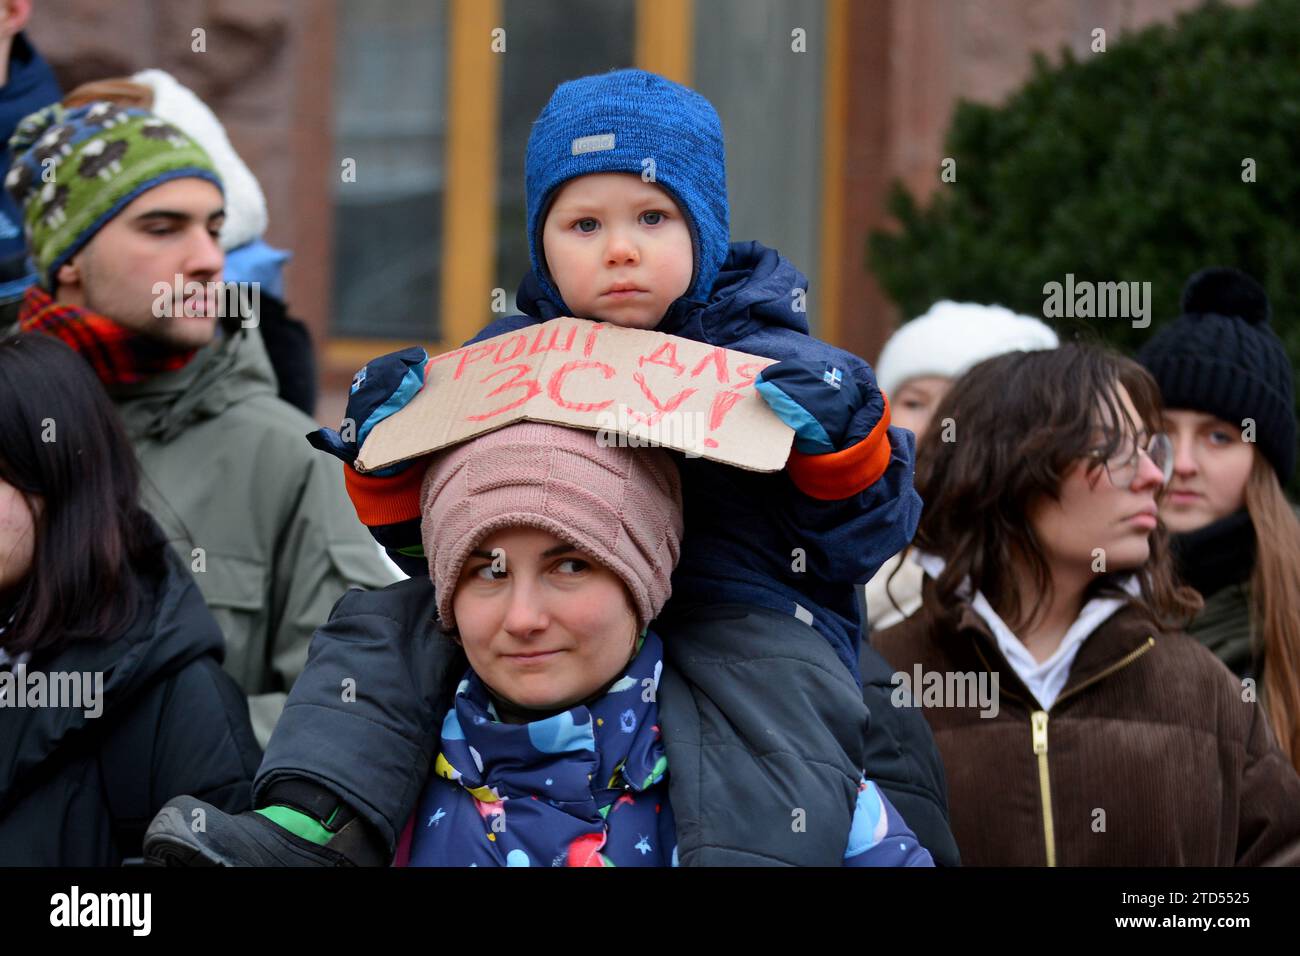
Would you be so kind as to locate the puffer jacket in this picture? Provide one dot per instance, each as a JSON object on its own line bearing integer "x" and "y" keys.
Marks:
{"x": 588, "y": 786}
{"x": 797, "y": 757}
{"x": 1149, "y": 756}
{"x": 79, "y": 784}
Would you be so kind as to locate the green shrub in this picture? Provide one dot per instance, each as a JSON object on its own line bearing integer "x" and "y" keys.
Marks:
{"x": 1124, "y": 165}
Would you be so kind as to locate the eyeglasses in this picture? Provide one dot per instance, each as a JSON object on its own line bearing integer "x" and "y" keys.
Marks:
{"x": 1123, "y": 466}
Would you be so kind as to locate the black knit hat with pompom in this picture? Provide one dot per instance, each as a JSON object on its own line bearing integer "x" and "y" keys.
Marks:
{"x": 1222, "y": 357}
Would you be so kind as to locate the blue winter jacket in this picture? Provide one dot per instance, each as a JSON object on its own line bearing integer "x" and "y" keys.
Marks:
{"x": 31, "y": 86}
{"x": 754, "y": 538}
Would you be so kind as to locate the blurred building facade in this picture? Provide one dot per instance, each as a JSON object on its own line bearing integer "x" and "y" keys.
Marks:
{"x": 389, "y": 135}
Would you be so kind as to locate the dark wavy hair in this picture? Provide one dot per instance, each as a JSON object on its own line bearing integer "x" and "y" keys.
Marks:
{"x": 1022, "y": 421}
{"x": 64, "y": 449}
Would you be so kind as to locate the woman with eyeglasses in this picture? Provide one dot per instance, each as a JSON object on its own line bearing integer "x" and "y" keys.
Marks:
{"x": 1078, "y": 726}
{"x": 916, "y": 368}
{"x": 1229, "y": 393}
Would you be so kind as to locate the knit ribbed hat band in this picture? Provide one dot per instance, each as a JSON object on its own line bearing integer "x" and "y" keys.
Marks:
{"x": 632, "y": 121}
{"x": 622, "y": 506}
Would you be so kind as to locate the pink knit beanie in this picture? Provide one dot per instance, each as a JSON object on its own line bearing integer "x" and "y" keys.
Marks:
{"x": 623, "y": 506}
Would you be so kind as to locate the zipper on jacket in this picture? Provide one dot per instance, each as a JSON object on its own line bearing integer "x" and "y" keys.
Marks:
{"x": 1038, "y": 723}
{"x": 1124, "y": 661}
{"x": 1038, "y": 728}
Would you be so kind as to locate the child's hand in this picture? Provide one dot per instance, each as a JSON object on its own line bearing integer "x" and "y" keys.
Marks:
{"x": 384, "y": 386}
{"x": 818, "y": 400}
{"x": 387, "y": 500}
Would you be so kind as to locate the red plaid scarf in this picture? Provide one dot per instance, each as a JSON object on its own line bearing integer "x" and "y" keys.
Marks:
{"x": 118, "y": 355}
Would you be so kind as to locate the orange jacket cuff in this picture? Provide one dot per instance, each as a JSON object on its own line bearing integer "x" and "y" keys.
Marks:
{"x": 381, "y": 500}
{"x": 843, "y": 474}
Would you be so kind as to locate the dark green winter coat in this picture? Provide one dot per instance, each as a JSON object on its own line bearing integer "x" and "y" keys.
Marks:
{"x": 260, "y": 517}
{"x": 1223, "y": 626}
{"x": 1218, "y": 560}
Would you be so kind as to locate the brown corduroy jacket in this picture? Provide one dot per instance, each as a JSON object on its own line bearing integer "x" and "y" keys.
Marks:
{"x": 1149, "y": 756}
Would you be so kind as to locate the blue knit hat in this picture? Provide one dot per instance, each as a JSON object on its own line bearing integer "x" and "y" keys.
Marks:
{"x": 613, "y": 123}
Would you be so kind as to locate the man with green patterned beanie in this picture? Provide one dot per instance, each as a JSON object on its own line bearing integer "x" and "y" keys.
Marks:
{"x": 122, "y": 213}
{"x": 96, "y": 184}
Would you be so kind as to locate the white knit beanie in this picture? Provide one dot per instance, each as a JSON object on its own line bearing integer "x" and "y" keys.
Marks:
{"x": 952, "y": 337}
{"x": 245, "y": 204}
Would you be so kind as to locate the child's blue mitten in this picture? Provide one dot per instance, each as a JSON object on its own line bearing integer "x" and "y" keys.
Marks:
{"x": 387, "y": 500}
{"x": 383, "y": 387}
{"x": 817, "y": 399}
{"x": 841, "y": 425}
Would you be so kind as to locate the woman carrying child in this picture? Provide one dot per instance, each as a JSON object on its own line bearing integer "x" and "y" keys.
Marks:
{"x": 561, "y": 727}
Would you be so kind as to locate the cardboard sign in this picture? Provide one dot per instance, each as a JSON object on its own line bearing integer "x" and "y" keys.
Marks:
{"x": 633, "y": 387}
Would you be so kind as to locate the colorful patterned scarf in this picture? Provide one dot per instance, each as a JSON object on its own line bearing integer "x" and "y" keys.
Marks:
{"x": 118, "y": 355}
{"x": 585, "y": 787}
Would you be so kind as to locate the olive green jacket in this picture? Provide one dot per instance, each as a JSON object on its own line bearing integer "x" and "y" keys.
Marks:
{"x": 259, "y": 516}
{"x": 1223, "y": 626}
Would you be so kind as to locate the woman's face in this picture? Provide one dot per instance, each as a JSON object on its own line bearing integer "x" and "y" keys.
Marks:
{"x": 543, "y": 625}
{"x": 1211, "y": 467}
{"x": 914, "y": 402}
{"x": 1095, "y": 512}
{"x": 17, "y": 537}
